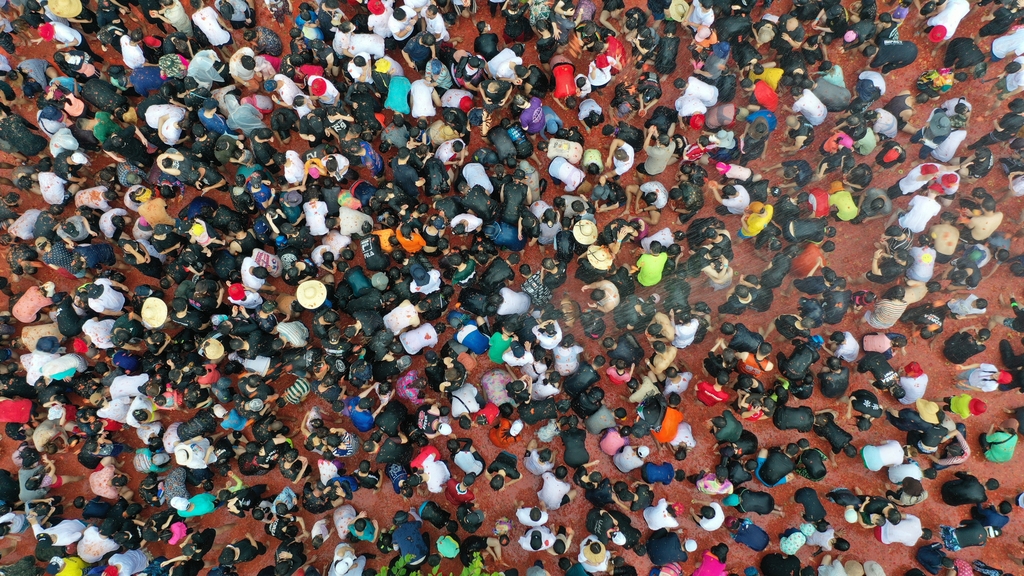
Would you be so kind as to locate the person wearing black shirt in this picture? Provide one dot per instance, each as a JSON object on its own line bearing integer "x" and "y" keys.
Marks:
{"x": 813, "y": 510}
{"x": 962, "y": 346}
{"x": 966, "y": 490}
{"x": 835, "y": 379}
{"x": 1006, "y": 127}
{"x": 963, "y": 53}
{"x": 800, "y": 418}
{"x": 780, "y": 565}
{"x": 795, "y": 367}
{"x": 880, "y": 369}
{"x": 893, "y": 54}
{"x": 746, "y": 500}
{"x": 773, "y": 467}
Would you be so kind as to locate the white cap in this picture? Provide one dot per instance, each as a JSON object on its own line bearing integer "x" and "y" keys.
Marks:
{"x": 643, "y": 451}
{"x": 179, "y": 503}
{"x": 690, "y": 545}
{"x": 444, "y": 429}
{"x": 618, "y": 538}
{"x": 850, "y": 515}
{"x": 516, "y": 428}
{"x": 219, "y": 411}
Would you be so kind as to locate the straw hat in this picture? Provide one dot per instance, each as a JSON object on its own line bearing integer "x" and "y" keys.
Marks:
{"x": 154, "y": 313}
{"x": 212, "y": 349}
{"x": 599, "y": 257}
{"x": 592, "y": 558}
{"x": 311, "y": 294}
{"x": 928, "y": 410}
{"x": 585, "y": 232}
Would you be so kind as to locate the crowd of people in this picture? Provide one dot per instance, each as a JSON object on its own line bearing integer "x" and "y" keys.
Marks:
{"x": 275, "y": 272}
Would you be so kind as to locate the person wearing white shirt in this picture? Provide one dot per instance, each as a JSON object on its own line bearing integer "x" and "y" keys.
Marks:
{"x": 848, "y": 349}
{"x": 131, "y": 51}
{"x": 209, "y": 21}
{"x": 953, "y": 12}
{"x": 920, "y": 211}
{"x": 811, "y": 108}
{"x": 914, "y": 387}
{"x": 316, "y": 217}
{"x": 424, "y": 99}
{"x": 968, "y": 306}
{"x": 553, "y": 492}
{"x": 685, "y": 333}
{"x": 532, "y": 517}
{"x": 537, "y": 539}
{"x": 470, "y": 222}
{"x": 434, "y": 23}
{"x": 503, "y": 65}
{"x": 104, "y": 298}
{"x": 402, "y": 24}
{"x": 715, "y": 521}
{"x": 923, "y": 267}
{"x": 65, "y": 533}
{"x": 620, "y": 157}
{"x": 660, "y": 516}
{"x": 569, "y": 175}
{"x": 476, "y": 175}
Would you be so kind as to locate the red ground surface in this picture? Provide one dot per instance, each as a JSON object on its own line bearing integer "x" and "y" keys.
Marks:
{"x": 849, "y": 260}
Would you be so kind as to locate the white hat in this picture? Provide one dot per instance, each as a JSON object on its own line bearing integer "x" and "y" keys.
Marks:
{"x": 850, "y": 515}
{"x": 643, "y": 451}
{"x": 219, "y": 411}
{"x": 618, "y": 538}
{"x": 182, "y": 454}
{"x": 444, "y": 429}
{"x": 515, "y": 430}
{"x": 585, "y": 232}
{"x": 690, "y": 545}
{"x": 179, "y": 503}
{"x": 311, "y": 294}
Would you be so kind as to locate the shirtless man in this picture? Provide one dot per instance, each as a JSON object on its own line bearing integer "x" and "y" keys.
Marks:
{"x": 984, "y": 224}
{"x": 605, "y": 294}
{"x": 946, "y": 237}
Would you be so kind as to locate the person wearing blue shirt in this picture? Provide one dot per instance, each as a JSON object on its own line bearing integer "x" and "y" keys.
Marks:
{"x": 146, "y": 80}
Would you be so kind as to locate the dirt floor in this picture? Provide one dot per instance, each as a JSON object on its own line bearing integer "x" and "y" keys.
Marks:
{"x": 850, "y": 259}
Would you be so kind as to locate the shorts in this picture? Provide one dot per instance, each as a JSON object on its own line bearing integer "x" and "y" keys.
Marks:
{"x": 1015, "y": 324}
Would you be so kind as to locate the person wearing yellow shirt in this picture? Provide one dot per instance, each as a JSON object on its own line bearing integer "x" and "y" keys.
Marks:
{"x": 843, "y": 201}
{"x": 771, "y": 75}
{"x": 70, "y": 566}
{"x": 757, "y": 216}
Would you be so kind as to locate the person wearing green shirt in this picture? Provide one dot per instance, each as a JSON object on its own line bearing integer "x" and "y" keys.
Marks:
{"x": 846, "y": 207}
{"x": 965, "y": 406}
{"x": 651, "y": 266}
{"x": 199, "y": 505}
{"x": 999, "y": 443}
{"x": 500, "y": 342}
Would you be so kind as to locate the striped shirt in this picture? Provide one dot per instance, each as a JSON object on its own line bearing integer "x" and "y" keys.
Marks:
{"x": 886, "y": 313}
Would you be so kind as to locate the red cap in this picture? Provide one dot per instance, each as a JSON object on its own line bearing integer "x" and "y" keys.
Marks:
{"x": 697, "y": 121}
{"x": 236, "y": 292}
{"x": 318, "y": 87}
{"x": 79, "y": 346}
{"x": 929, "y": 169}
{"x": 891, "y": 155}
{"x": 937, "y": 34}
{"x": 977, "y": 407}
{"x": 376, "y": 7}
{"x": 913, "y": 370}
{"x": 950, "y": 179}
{"x": 936, "y": 188}
{"x": 601, "y": 61}
{"x": 466, "y": 104}
{"x": 110, "y": 571}
{"x": 46, "y": 31}
{"x": 1004, "y": 377}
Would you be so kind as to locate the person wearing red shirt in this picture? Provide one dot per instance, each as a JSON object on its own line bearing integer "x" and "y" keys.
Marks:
{"x": 710, "y": 394}
{"x": 458, "y": 493}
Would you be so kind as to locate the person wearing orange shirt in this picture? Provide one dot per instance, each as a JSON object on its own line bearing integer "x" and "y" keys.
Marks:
{"x": 410, "y": 239}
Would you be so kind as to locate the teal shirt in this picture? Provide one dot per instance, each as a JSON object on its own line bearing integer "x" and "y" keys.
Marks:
{"x": 1001, "y": 446}
{"x": 202, "y": 504}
